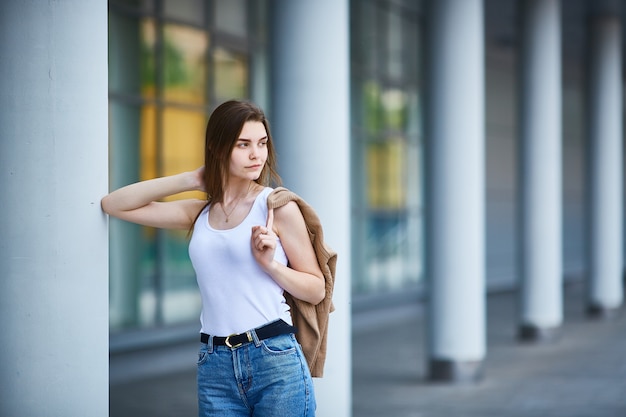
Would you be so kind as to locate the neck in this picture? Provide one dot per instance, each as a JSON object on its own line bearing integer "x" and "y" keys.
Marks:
{"x": 236, "y": 191}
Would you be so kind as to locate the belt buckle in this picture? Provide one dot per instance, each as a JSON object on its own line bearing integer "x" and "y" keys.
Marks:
{"x": 227, "y": 341}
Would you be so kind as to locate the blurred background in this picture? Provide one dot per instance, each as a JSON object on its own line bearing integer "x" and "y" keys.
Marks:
{"x": 172, "y": 62}
{"x": 453, "y": 148}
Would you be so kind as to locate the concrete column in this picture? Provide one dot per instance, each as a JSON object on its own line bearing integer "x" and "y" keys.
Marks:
{"x": 604, "y": 165}
{"x": 53, "y": 235}
{"x": 539, "y": 174}
{"x": 454, "y": 185}
{"x": 311, "y": 126}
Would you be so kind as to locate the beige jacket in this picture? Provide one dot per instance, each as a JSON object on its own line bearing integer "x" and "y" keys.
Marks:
{"x": 311, "y": 320}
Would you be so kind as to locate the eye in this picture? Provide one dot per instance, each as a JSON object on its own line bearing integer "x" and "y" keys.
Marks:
{"x": 263, "y": 143}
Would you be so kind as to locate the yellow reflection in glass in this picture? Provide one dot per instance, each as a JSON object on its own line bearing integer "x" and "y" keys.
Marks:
{"x": 182, "y": 146}
{"x": 148, "y": 63}
{"x": 147, "y": 145}
{"x": 184, "y": 57}
{"x": 386, "y": 174}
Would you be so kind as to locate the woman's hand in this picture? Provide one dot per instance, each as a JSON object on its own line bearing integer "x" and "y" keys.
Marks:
{"x": 198, "y": 179}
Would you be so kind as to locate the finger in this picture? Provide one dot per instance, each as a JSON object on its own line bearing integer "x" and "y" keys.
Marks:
{"x": 263, "y": 242}
{"x": 258, "y": 232}
{"x": 257, "y": 239}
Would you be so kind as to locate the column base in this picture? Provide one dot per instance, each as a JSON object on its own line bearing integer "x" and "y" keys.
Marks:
{"x": 595, "y": 311}
{"x": 535, "y": 334}
{"x": 455, "y": 371}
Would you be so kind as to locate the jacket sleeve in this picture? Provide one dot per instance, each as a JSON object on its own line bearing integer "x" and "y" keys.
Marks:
{"x": 311, "y": 320}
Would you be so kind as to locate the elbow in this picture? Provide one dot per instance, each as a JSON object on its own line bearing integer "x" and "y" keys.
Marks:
{"x": 107, "y": 205}
{"x": 104, "y": 205}
{"x": 320, "y": 298}
{"x": 319, "y": 294}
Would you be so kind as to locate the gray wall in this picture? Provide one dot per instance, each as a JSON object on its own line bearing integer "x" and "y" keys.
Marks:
{"x": 53, "y": 235}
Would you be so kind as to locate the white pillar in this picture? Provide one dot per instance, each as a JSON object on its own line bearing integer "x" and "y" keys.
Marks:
{"x": 311, "y": 125}
{"x": 53, "y": 234}
{"x": 604, "y": 165}
{"x": 454, "y": 162}
{"x": 539, "y": 175}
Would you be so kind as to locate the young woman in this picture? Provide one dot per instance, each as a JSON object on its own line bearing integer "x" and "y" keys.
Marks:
{"x": 245, "y": 258}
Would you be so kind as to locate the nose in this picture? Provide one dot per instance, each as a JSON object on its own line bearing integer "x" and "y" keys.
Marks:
{"x": 253, "y": 152}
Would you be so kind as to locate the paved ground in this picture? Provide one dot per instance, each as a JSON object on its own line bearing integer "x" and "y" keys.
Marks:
{"x": 582, "y": 374}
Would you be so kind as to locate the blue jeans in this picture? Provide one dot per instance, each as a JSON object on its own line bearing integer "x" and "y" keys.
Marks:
{"x": 263, "y": 378}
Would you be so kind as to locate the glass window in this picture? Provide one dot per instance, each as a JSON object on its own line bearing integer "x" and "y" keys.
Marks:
{"x": 190, "y": 11}
{"x": 184, "y": 64}
{"x": 126, "y": 241}
{"x": 182, "y": 144}
{"x": 386, "y": 179}
{"x": 180, "y": 298}
{"x": 148, "y": 142}
{"x": 386, "y": 146}
{"x": 168, "y": 67}
{"x": 394, "y": 46}
{"x": 145, "y": 6}
{"x": 231, "y": 74}
{"x": 124, "y": 67}
{"x": 147, "y": 58}
{"x": 231, "y": 16}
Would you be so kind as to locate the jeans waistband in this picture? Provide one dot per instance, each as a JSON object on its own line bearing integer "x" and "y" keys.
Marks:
{"x": 275, "y": 328}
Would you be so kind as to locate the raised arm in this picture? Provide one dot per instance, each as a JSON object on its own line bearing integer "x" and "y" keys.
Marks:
{"x": 139, "y": 202}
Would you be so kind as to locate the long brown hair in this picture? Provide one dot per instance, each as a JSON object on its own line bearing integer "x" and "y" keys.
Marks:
{"x": 222, "y": 132}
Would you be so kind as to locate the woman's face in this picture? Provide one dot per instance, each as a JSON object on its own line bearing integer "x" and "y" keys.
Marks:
{"x": 249, "y": 154}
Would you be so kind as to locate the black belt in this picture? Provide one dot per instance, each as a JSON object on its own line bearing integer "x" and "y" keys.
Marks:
{"x": 275, "y": 328}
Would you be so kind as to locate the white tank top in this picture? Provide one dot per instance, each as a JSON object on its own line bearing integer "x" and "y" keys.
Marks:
{"x": 237, "y": 295}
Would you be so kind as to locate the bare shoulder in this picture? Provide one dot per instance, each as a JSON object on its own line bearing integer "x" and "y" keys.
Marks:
{"x": 288, "y": 219}
{"x": 287, "y": 212}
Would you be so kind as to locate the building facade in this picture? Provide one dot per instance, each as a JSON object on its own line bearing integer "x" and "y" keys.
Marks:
{"x": 171, "y": 63}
